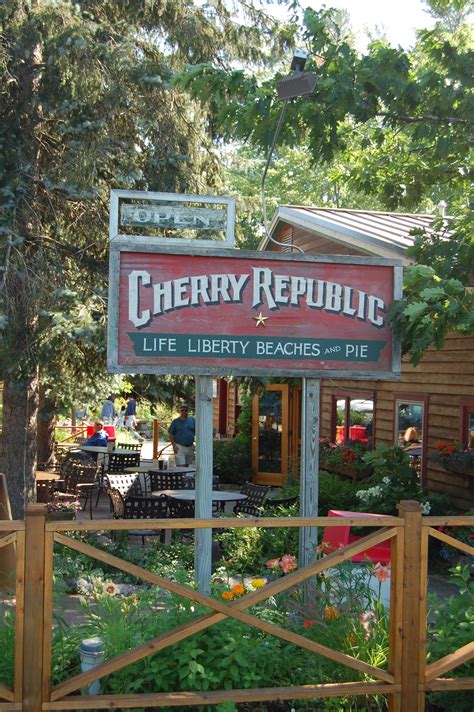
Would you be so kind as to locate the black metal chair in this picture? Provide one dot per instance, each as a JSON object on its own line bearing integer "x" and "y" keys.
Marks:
{"x": 181, "y": 509}
{"x": 132, "y": 507}
{"x": 133, "y": 447}
{"x": 126, "y": 484}
{"x": 166, "y": 479}
{"x": 45, "y": 491}
{"x": 256, "y": 495}
{"x": 80, "y": 479}
{"x": 118, "y": 463}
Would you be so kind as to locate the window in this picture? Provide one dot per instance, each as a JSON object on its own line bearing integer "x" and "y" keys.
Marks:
{"x": 352, "y": 418}
{"x": 410, "y": 418}
{"x": 410, "y": 430}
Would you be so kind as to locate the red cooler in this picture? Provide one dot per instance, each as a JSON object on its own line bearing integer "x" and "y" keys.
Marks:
{"x": 109, "y": 429}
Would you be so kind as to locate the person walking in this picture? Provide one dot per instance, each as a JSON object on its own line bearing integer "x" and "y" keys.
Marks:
{"x": 130, "y": 419}
{"x": 108, "y": 411}
{"x": 181, "y": 432}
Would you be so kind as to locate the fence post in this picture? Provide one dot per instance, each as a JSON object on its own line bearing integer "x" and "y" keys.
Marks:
{"x": 414, "y": 560}
{"x": 34, "y": 606}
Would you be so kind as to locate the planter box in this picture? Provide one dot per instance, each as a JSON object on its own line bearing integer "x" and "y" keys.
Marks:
{"x": 459, "y": 469}
{"x": 60, "y": 516}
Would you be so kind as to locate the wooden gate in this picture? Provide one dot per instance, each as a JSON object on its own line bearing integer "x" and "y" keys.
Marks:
{"x": 405, "y": 682}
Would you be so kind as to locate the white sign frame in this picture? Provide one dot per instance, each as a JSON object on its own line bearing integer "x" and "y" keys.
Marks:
{"x": 116, "y": 232}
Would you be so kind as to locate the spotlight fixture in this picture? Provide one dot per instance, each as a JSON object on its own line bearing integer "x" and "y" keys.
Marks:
{"x": 299, "y": 83}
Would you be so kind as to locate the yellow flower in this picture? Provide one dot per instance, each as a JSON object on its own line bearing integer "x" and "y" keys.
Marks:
{"x": 258, "y": 583}
{"x": 227, "y": 595}
{"x": 351, "y": 639}
{"x": 238, "y": 589}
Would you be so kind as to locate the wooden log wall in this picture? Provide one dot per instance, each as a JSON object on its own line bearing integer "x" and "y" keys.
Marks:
{"x": 446, "y": 379}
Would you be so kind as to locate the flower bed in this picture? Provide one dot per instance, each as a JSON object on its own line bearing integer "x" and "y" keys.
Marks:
{"x": 344, "y": 460}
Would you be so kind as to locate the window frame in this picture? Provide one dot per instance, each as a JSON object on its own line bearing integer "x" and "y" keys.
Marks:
{"x": 418, "y": 398}
{"x": 467, "y": 408}
{"x": 348, "y": 396}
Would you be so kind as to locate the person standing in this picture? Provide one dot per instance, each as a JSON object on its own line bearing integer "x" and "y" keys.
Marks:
{"x": 108, "y": 411}
{"x": 181, "y": 432}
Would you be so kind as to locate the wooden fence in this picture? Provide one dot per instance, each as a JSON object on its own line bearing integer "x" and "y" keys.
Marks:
{"x": 405, "y": 682}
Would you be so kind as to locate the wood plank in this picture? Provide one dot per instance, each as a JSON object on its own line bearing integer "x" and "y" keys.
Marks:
{"x": 7, "y": 539}
{"x": 5, "y": 693}
{"x": 411, "y": 609}
{"x": 449, "y": 684}
{"x": 19, "y": 615}
{"x": 48, "y": 613}
{"x": 454, "y": 521}
{"x": 34, "y": 604}
{"x": 423, "y": 613}
{"x": 176, "y": 699}
{"x": 446, "y": 539}
{"x": 219, "y": 523}
{"x": 396, "y": 612}
{"x": 449, "y": 662}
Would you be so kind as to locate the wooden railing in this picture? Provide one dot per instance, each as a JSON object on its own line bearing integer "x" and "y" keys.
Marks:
{"x": 405, "y": 682}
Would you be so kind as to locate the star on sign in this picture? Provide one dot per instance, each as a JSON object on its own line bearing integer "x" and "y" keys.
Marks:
{"x": 260, "y": 319}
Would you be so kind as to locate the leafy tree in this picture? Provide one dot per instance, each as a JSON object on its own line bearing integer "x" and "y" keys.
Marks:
{"x": 86, "y": 104}
{"x": 400, "y": 121}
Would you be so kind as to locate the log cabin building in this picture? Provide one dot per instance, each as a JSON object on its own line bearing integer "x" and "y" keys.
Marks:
{"x": 434, "y": 402}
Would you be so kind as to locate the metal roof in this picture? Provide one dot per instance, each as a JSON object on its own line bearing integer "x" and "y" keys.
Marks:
{"x": 377, "y": 233}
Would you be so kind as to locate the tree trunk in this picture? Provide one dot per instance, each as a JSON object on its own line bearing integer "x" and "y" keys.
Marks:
{"x": 46, "y": 419}
{"x": 20, "y": 410}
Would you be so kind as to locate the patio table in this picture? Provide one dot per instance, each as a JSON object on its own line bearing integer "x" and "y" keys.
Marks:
{"x": 218, "y": 496}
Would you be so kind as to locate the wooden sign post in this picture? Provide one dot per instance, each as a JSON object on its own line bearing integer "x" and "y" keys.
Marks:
{"x": 192, "y": 307}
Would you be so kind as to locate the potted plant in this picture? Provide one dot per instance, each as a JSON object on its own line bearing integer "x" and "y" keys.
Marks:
{"x": 454, "y": 457}
{"x": 345, "y": 460}
{"x": 60, "y": 509}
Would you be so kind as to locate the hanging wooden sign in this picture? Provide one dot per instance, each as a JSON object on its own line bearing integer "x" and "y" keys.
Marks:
{"x": 221, "y": 312}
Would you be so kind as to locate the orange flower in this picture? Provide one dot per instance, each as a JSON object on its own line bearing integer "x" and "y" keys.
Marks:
{"x": 308, "y": 624}
{"x": 238, "y": 589}
{"x": 351, "y": 639}
{"x": 227, "y": 595}
{"x": 331, "y": 613}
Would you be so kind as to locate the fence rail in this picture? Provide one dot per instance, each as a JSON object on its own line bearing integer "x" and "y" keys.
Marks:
{"x": 405, "y": 682}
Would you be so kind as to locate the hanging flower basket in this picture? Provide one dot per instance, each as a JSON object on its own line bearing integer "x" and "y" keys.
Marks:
{"x": 455, "y": 458}
{"x": 62, "y": 509}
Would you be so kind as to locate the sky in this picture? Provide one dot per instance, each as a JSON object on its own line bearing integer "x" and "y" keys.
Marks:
{"x": 399, "y": 18}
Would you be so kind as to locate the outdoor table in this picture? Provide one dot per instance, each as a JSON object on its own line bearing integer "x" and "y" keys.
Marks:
{"x": 151, "y": 468}
{"x": 43, "y": 476}
{"x": 219, "y": 497}
{"x": 103, "y": 450}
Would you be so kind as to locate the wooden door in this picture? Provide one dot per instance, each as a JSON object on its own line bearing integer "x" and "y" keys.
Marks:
{"x": 270, "y": 435}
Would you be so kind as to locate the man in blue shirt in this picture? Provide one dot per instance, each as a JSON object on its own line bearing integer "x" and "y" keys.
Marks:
{"x": 98, "y": 439}
{"x": 181, "y": 432}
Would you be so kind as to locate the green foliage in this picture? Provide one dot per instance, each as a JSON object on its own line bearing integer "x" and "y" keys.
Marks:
{"x": 451, "y": 627}
{"x": 245, "y": 551}
{"x": 394, "y": 480}
{"x": 7, "y": 645}
{"x": 336, "y": 493}
{"x": 232, "y": 459}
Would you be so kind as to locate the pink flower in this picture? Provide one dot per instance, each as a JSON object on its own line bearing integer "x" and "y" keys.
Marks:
{"x": 382, "y": 573}
{"x": 273, "y": 563}
{"x": 287, "y": 563}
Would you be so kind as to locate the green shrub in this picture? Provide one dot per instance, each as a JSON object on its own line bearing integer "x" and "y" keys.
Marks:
{"x": 336, "y": 493}
{"x": 233, "y": 460}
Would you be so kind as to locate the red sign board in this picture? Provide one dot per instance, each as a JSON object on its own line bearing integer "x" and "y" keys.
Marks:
{"x": 183, "y": 310}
